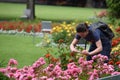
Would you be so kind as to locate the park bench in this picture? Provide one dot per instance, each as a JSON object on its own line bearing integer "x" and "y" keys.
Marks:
{"x": 26, "y": 14}
{"x": 46, "y": 26}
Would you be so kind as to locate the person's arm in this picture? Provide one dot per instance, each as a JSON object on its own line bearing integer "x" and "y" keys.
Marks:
{"x": 97, "y": 50}
{"x": 73, "y": 44}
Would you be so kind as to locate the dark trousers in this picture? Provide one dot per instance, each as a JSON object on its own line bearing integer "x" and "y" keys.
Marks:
{"x": 106, "y": 50}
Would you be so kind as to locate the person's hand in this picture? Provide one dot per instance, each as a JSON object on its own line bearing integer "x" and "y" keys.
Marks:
{"x": 75, "y": 50}
{"x": 85, "y": 52}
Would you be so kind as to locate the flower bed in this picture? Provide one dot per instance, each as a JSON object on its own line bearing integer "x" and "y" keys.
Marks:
{"x": 68, "y": 66}
{"x": 82, "y": 70}
{"x": 20, "y": 26}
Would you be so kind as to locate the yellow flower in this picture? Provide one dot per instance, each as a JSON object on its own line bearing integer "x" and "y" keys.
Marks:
{"x": 68, "y": 31}
{"x": 69, "y": 34}
{"x": 48, "y": 41}
{"x": 61, "y": 30}
{"x": 51, "y": 31}
{"x": 87, "y": 22}
{"x": 54, "y": 28}
{"x": 68, "y": 25}
{"x": 73, "y": 23}
{"x": 64, "y": 22}
{"x": 70, "y": 28}
{"x": 74, "y": 31}
{"x": 66, "y": 28}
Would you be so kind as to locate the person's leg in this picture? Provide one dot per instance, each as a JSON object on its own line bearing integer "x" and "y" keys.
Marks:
{"x": 92, "y": 47}
{"x": 106, "y": 53}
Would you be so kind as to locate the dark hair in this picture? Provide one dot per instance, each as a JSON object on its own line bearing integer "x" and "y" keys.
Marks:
{"x": 82, "y": 27}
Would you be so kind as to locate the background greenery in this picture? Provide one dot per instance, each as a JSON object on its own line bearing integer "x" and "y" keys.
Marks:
{"x": 22, "y": 48}
{"x": 45, "y": 12}
{"x": 113, "y": 9}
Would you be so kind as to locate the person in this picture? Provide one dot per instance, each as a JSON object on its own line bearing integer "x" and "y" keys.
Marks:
{"x": 100, "y": 44}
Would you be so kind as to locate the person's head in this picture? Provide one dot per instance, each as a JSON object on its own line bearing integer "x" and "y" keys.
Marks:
{"x": 82, "y": 29}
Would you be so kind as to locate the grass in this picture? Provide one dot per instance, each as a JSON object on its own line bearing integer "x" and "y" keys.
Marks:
{"x": 10, "y": 11}
{"x": 20, "y": 48}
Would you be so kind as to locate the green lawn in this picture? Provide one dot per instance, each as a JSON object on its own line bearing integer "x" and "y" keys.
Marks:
{"x": 20, "y": 48}
{"x": 45, "y": 12}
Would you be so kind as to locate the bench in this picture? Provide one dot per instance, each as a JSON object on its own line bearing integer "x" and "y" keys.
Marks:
{"x": 26, "y": 14}
{"x": 46, "y": 26}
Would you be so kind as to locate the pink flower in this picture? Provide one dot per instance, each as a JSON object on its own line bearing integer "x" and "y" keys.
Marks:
{"x": 81, "y": 60}
{"x": 71, "y": 65}
{"x": 115, "y": 73}
{"x": 12, "y": 62}
{"x": 39, "y": 63}
{"x": 119, "y": 65}
{"x": 3, "y": 70}
{"x": 93, "y": 75}
{"x": 43, "y": 78}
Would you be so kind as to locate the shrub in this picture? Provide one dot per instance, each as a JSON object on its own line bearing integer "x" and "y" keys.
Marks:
{"x": 63, "y": 31}
{"x": 3, "y": 77}
{"x": 80, "y": 70}
{"x": 113, "y": 6}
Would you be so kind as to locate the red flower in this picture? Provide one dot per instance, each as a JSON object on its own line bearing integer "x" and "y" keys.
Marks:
{"x": 1, "y": 26}
{"x": 70, "y": 60}
{"x": 37, "y": 28}
{"x": 117, "y": 63}
{"x": 116, "y": 53}
{"x": 28, "y": 29}
{"x": 72, "y": 54}
{"x": 61, "y": 41}
{"x": 47, "y": 55}
{"x": 118, "y": 29}
{"x": 111, "y": 62}
{"x": 54, "y": 60}
{"x": 115, "y": 42}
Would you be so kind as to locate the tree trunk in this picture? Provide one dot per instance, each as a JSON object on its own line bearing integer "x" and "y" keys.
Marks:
{"x": 31, "y": 6}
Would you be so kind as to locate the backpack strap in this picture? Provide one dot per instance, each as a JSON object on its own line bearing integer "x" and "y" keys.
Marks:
{"x": 85, "y": 44}
{"x": 95, "y": 25}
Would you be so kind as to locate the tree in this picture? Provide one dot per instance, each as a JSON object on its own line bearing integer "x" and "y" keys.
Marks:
{"x": 114, "y": 8}
{"x": 31, "y": 6}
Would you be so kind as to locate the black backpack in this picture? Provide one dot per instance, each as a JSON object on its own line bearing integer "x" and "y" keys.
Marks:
{"x": 104, "y": 28}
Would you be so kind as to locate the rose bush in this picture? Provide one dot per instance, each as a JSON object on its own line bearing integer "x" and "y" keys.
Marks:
{"x": 68, "y": 66}
{"x": 82, "y": 70}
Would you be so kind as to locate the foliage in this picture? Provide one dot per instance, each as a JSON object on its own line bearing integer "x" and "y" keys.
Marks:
{"x": 11, "y": 11}
{"x": 64, "y": 56}
{"x": 80, "y": 70}
{"x": 63, "y": 31}
{"x": 3, "y": 77}
{"x": 113, "y": 6}
{"x": 2, "y": 63}
{"x": 115, "y": 60}
{"x": 115, "y": 55}
{"x": 116, "y": 40}
{"x": 67, "y": 65}
{"x": 46, "y": 41}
